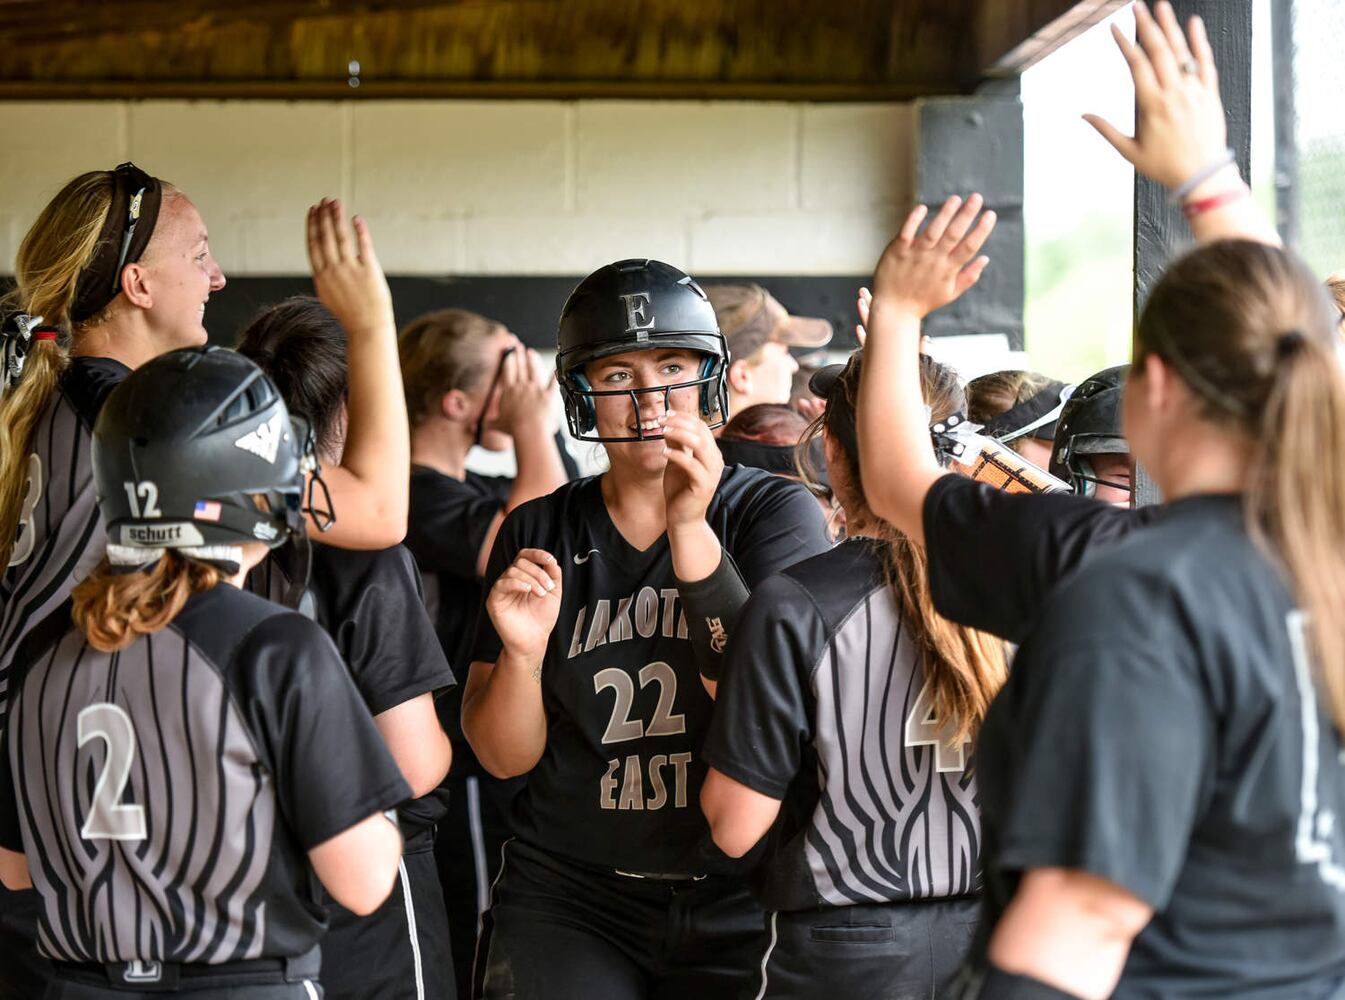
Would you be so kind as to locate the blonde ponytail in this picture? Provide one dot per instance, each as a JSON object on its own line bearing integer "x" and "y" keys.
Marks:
{"x": 53, "y": 253}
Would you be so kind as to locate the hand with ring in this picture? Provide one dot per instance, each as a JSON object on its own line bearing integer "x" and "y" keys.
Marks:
{"x": 1179, "y": 116}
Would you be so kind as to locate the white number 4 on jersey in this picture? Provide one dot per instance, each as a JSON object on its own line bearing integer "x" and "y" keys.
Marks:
{"x": 923, "y": 728}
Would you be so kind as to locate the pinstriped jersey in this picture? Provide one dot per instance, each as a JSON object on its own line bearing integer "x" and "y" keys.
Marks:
{"x": 60, "y": 536}
{"x": 824, "y": 705}
{"x": 165, "y": 795}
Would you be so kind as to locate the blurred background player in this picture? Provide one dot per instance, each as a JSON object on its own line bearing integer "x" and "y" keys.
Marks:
{"x": 469, "y": 382}
{"x": 209, "y": 754}
{"x": 842, "y": 737}
{"x": 1018, "y": 409}
{"x": 610, "y": 602}
{"x": 760, "y": 332}
{"x": 1090, "y": 450}
{"x": 370, "y": 603}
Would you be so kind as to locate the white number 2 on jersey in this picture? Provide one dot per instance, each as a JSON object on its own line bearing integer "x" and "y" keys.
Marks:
{"x": 621, "y": 727}
{"x": 924, "y": 729}
{"x": 26, "y": 540}
{"x": 108, "y": 818}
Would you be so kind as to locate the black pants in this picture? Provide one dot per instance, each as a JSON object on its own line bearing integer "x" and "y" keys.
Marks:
{"x": 467, "y": 849}
{"x": 885, "y": 951}
{"x": 562, "y": 931}
{"x": 401, "y": 950}
{"x": 23, "y": 972}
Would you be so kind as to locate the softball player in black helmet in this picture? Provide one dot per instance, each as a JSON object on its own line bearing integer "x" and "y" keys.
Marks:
{"x": 208, "y": 754}
{"x": 610, "y": 600}
{"x": 1090, "y": 450}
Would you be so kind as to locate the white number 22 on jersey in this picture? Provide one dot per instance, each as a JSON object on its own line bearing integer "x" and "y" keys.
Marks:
{"x": 109, "y": 818}
{"x": 621, "y": 727}
{"x": 924, "y": 729}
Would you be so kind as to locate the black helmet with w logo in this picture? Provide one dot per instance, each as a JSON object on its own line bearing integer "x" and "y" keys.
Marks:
{"x": 184, "y": 445}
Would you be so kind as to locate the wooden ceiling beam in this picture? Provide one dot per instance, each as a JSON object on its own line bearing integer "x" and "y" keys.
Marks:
{"x": 1011, "y": 35}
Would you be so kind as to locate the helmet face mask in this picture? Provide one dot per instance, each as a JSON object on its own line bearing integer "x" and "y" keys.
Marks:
{"x": 638, "y": 305}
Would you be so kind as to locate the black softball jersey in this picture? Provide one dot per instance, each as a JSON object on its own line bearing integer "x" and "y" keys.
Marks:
{"x": 618, "y": 783}
{"x": 1162, "y": 728}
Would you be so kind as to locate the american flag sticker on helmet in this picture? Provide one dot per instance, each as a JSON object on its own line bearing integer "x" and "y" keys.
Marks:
{"x": 206, "y": 510}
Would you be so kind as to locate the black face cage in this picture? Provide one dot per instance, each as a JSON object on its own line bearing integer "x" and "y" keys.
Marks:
{"x": 582, "y": 415}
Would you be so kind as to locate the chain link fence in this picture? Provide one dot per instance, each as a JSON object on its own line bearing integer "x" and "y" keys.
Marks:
{"x": 1311, "y": 175}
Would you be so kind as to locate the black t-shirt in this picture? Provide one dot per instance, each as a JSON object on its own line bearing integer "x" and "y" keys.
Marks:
{"x": 994, "y": 556}
{"x": 60, "y": 536}
{"x": 446, "y": 527}
{"x": 1161, "y": 729}
{"x": 618, "y": 784}
{"x": 166, "y": 794}
{"x": 369, "y": 602}
{"x": 823, "y": 705}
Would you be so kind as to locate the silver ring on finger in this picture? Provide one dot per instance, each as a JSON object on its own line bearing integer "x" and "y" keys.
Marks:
{"x": 1190, "y": 67}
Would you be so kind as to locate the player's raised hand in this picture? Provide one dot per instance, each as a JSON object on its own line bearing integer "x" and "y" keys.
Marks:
{"x": 525, "y": 601}
{"x": 922, "y": 270}
{"x": 694, "y": 468}
{"x": 347, "y": 276}
{"x": 526, "y": 392}
{"x": 1180, "y": 127}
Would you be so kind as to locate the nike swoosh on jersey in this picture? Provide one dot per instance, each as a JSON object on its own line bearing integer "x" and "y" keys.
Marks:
{"x": 580, "y": 560}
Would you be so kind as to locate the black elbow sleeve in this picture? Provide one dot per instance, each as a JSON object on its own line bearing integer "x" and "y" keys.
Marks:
{"x": 712, "y": 607}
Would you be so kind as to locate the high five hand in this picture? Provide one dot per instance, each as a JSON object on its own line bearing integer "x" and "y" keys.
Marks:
{"x": 347, "y": 276}
{"x": 921, "y": 271}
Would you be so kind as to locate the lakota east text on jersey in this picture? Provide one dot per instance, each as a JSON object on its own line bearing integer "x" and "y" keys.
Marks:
{"x": 647, "y": 614}
{"x": 619, "y": 781}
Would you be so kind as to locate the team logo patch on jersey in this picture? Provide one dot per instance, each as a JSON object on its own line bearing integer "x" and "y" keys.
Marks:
{"x": 142, "y": 972}
{"x": 206, "y": 510}
{"x": 718, "y": 637}
{"x": 264, "y": 442}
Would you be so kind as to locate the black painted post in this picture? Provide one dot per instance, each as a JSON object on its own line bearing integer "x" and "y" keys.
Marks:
{"x": 976, "y": 144}
{"x": 1160, "y": 230}
{"x": 1286, "y": 132}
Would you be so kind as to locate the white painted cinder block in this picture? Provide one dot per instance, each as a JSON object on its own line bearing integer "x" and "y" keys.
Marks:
{"x": 242, "y": 160}
{"x": 857, "y": 156}
{"x": 792, "y": 243}
{"x": 571, "y": 244}
{"x": 445, "y": 158}
{"x": 47, "y": 144}
{"x": 413, "y": 244}
{"x": 686, "y": 157}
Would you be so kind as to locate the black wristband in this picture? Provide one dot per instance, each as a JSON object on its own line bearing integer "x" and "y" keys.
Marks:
{"x": 1000, "y": 985}
{"x": 712, "y": 606}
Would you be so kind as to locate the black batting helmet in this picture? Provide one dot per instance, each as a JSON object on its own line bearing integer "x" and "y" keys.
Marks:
{"x": 636, "y": 305}
{"x": 184, "y": 444}
{"x": 1090, "y": 424}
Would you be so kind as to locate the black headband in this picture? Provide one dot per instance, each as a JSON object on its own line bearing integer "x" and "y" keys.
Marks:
{"x": 130, "y": 222}
{"x": 1018, "y": 420}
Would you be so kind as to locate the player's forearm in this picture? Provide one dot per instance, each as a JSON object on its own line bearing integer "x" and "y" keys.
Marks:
{"x": 1069, "y": 929}
{"x": 1242, "y": 219}
{"x": 14, "y": 874}
{"x": 696, "y": 551}
{"x": 378, "y": 440}
{"x": 540, "y": 470}
{"x": 503, "y": 718}
{"x": 895, "y": 451}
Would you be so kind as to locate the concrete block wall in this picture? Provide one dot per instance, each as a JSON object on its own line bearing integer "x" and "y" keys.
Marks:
{"x": 527, "y": 187}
